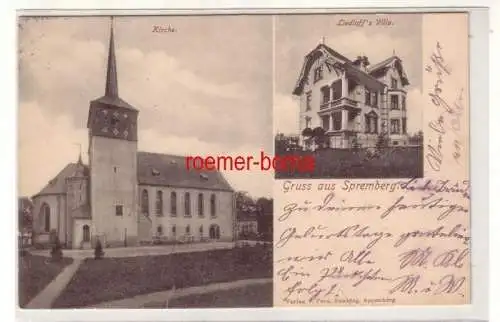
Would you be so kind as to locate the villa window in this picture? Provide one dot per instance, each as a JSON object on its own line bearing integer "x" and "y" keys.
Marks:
{"x": 371, "y": 124}
{"x": 318, "y": 74}
{"x": 374, "y": 99}
{"x": 403, "y": 125}
{"x": 394, "y": 83}
{"x": 394, "y": 102}
{"x": 395, "y": 126}
{"x": 201, "y": 210}
{"x": 308, "y": 100}
{"x": 187, "y": 204}
{"x": 403, "y": 103}
{"x": 326, "y": 122}
{"x": 325, "y": 94}
{"x": 118, "y": 210}
{"x": 308, "y": 122}
{"x": 212, "y": 206}
{"x": 145, "y": 202}
{"x": 159, "y": 203}
{"x": 173, "y": 204}
{"x": 367, "y": 97}
{"x": 337, "y": 121}
{"x": 336, "y": 89}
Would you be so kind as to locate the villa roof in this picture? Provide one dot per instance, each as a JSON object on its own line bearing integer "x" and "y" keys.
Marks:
{"x": 349, "y": 66}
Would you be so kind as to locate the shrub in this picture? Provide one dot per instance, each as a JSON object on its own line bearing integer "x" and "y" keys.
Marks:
{"x": 56, "y": 251}
{"x": 98, "y": 252}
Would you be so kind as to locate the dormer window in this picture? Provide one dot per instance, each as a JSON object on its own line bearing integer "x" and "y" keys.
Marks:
{"x": 394, "y": 83}
{"x": 203, "y": 176}
{"x": 318, "y": 74}
{"x": 155, "y": 172}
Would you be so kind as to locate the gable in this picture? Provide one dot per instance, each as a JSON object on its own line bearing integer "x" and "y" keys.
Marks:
{"x": 322, "y": 54}
{"x": 380, "y": 69}
{"x": 58, "y": 184}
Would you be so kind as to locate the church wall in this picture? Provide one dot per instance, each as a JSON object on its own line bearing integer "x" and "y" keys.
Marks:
{"x": 113, "y": 172}
{"x": 57, "y": 206}
{"x": 224, "y": 214}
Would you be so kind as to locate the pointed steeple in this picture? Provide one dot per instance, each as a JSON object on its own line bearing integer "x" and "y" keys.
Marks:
{"x": 111, "y": 77}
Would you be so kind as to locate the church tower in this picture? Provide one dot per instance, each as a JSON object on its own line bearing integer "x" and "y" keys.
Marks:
{"x": 112, "y": 126}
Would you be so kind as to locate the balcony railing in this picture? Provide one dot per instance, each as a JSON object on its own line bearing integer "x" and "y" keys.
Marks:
{"x": 338, "y": 103}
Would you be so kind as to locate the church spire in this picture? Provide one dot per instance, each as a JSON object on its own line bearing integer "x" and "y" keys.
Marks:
{"x": 111, "y": 77}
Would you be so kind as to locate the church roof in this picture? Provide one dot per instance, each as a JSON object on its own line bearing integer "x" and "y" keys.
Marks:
{"x": 170, "y": 170}
{"x": 58, "y": 184}
{"x": 154, "y": 169}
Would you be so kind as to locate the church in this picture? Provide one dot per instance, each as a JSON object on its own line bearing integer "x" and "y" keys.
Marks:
{"x": 125, "y": 197}
{"x": 351, "y": 100}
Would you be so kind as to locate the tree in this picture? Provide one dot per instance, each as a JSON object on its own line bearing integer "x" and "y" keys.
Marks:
{"x": 56, "y": 251}
{"x": 382, "y": 141}
{"x": 98, "y": 252}
{"x": 265, "y": 217}
{"x": 319, "y": 135}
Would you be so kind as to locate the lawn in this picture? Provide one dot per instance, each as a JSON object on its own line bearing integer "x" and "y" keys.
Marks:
{"x": 35, "y": 273}
{"x": 110, "y": 279}
{"x": 394, "y": 162}
{"x": 249, "y": 296}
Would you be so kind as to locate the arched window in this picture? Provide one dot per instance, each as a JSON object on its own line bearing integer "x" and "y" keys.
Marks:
{"x": 86, "y": 233}
{"x": 159, "y": 203}
{"x": 187, "y": 204}
{"x": 45, "y": 212}
{"x": 145, "y": 202}
{"x": 214, "y": 232}
{"x": 212, "y": 205}
{"x": 188, "y": 229}
{"x": 201, "y": 231}
{"x": 173, "y": 204}
{"x": 174, "y": 230}
{"x": 201, "y": 211}
{"x": 159, "y": 230}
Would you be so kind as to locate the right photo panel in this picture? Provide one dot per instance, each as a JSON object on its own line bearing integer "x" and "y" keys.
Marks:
{"x": 371, "y": 126}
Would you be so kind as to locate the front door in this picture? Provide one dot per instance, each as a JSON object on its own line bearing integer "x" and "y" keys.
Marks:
{"x": 86, "y": 237}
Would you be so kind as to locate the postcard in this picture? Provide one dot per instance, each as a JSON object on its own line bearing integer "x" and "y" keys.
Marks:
{"x": 243, "y": 161}
{"x": 379, "y": 103}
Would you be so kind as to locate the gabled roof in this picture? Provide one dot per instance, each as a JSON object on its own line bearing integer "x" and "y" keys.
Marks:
{"x": 58, "y": 184}
{"x": 398, "y": 63}
{"x": 114, "y": 102}
{"x": 170, "y": 170}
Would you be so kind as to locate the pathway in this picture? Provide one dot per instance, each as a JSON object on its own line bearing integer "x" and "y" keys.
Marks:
{"x": 51, "y": 292}
{"x": 144, "y": 250}
{"x": 141, "y": 301}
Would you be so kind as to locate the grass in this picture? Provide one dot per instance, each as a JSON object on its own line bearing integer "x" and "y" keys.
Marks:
{"x": 35, "y": 273}
{"x": 394, "y": 162}
{"x": 110, "y": 279}
{"x": 249, "y": 296}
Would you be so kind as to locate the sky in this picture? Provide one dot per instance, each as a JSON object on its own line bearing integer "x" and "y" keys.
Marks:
{"x": 205, "y": 89}
{"x": 297, "y": 35}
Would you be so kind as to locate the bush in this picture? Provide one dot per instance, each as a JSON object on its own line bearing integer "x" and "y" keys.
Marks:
{"x": 98, "y": 252}
{"x": 56, "y": 251}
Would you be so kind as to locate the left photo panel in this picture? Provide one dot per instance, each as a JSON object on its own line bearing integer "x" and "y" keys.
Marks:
{"x": 141, "y": 145}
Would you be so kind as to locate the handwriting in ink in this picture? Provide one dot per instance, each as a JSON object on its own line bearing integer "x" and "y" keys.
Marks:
{"x": 412, "y": 284}
{"x": 438, "y": 186}
{"x": 291, "y": 271}
{"x": 435, "y": 156}
{"x": 415, "y": 258}
{"x": 431, "y": 202}
{"x": 441, "y": 232}
{"x": 420, "y": 257}
{"x": 360, "y": 276}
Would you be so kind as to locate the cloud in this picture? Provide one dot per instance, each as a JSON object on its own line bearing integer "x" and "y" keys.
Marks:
{"x": 286, "y": 114}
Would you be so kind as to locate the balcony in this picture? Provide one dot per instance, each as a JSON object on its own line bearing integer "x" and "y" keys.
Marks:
{"x": 341, "y": 103}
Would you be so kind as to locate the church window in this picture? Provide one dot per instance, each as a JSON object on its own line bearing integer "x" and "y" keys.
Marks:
{"x": 212, "y": 206}
{"x": 159, "y": 203}
{"x": 174, "y": 230}
{"x": 86, "y": 233}
{"x": 188, "y": 229}
{"x": 46, "y": 217}
{"x": 173, "y": 204}
{"x": 119, "y": 210}
{"x": 145, "y": 202}
{"x": 214, "y": 232}
{"x": 201, "y": 211}
{"x": 201, "y": 231}
{"x": 187, "y": 204}
{"x": 159, "y": 230}
{"x": 115, "y": 169}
